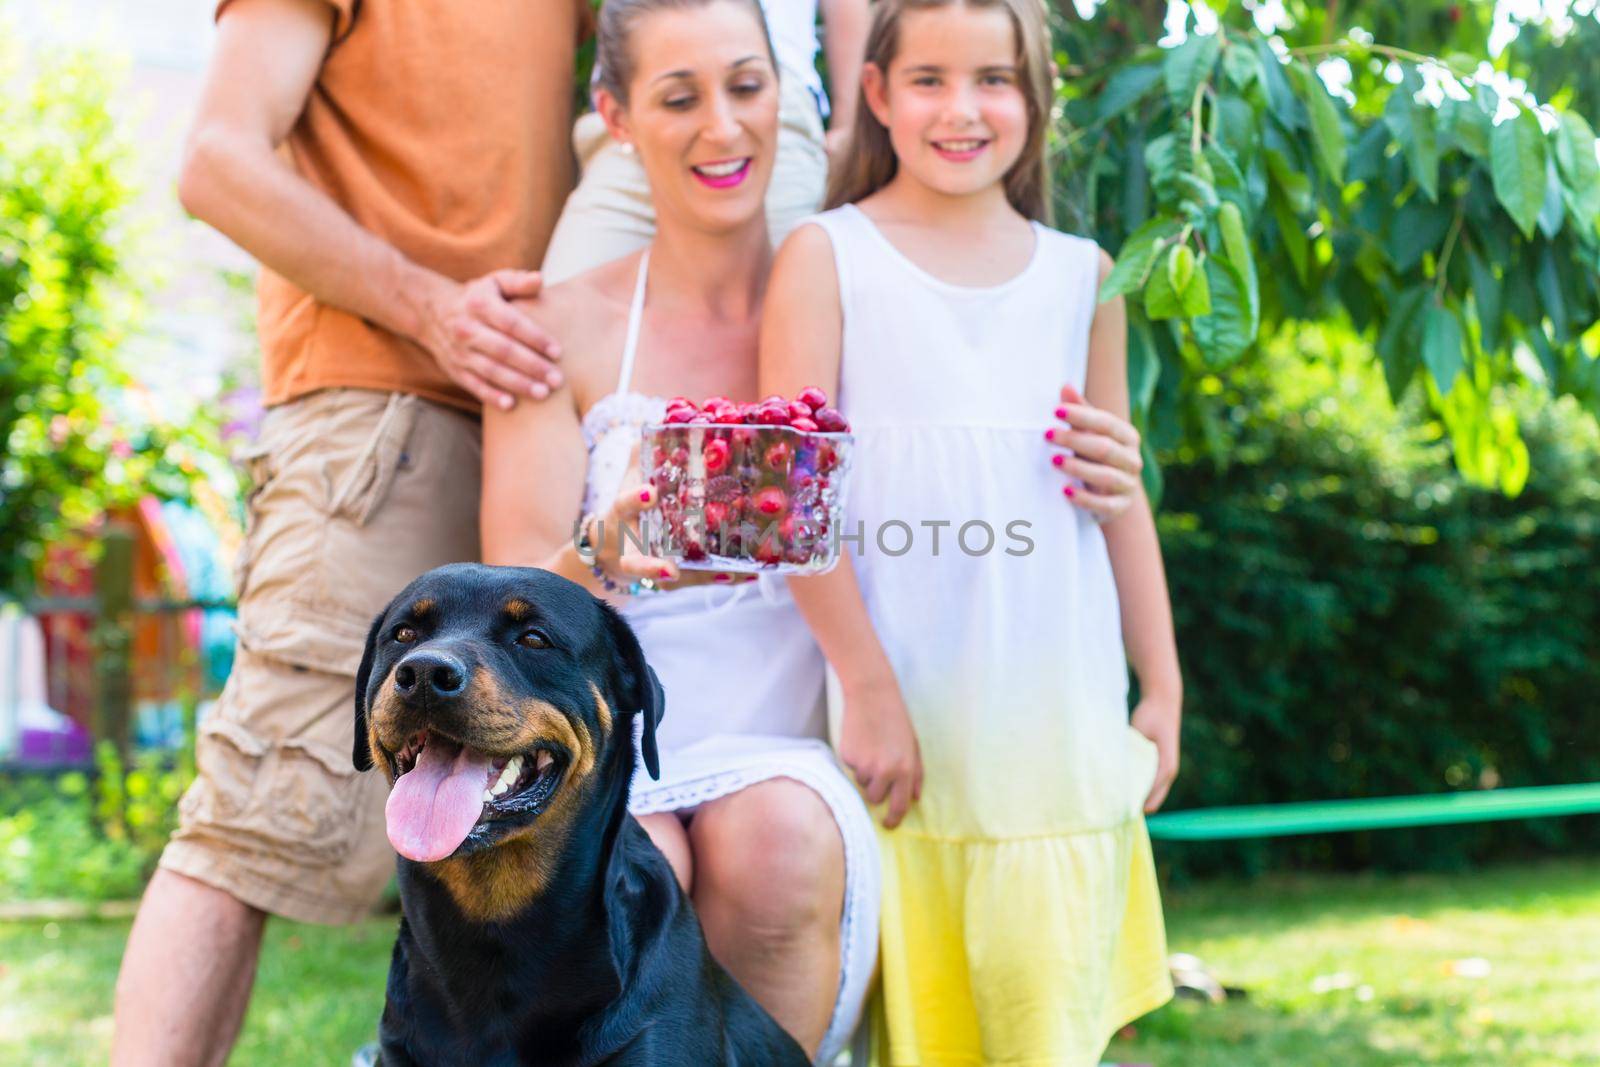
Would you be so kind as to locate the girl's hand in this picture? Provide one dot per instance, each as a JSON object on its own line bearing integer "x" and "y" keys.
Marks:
{"x": 1099, "y": 449}
{"x": 1158, "y": 720}
{"x": 879, "y": 745}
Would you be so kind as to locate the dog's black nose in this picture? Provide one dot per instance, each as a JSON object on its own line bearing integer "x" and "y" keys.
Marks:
{"x": 425, "y": 674}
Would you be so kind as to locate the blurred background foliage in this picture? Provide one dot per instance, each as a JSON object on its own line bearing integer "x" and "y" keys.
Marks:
{"x": 1356, "y": 619}
{"x": 75, "y": 440}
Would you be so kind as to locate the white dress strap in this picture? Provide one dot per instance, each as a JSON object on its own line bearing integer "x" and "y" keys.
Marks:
{"x": 630, "y": 347}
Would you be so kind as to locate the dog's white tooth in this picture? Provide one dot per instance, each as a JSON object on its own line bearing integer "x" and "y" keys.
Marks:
{"x": 543, "y": 760}
{"x": 508, "y": 776}
{"x": 487, "y": 796}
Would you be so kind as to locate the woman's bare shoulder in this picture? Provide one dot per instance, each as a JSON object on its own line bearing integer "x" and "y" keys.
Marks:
{"x": 586, "y": 314}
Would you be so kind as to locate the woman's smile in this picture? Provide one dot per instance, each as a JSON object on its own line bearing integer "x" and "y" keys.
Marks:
{"x": 724, "y": 173}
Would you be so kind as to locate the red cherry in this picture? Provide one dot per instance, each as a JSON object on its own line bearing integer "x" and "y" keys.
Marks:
{"x": 769, "y": 552}
{"x": 803, "y": 425}
{"x": 832, "y": 421}
{"x": 775, "y": 399}
{"x": 827, "y": 459}
{"x": 658, "y": 457}
{"x": 813, "y": 398}
{"x": 778, "y": 456}
{"x": 680, "y": 457}
{"x": 716, "y": 453}
{"x": 798, "y": 409}
{"x": 715, "y": 402}
{"x": 745, "y": 436}
{"x": 681, "y": 402}
{"x": 772, "y": 415}
{"x": 700, "y": 418}
{"x": 771, "y": 501}
{"x": 694, "y": 551}
{"x": 716, "y": 515}
{"x": 678, "y": 415}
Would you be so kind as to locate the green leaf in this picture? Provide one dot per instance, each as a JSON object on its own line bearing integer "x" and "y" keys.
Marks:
{"x": 1547, "y": 280}
{"x": 1397, "y": 343}
{"x": 1238, "y": 127}
{"x": 1136, "y": 257}
{"x": 1236, "y": 245}
{"x": 1366, "y": 158}
{"x": 1290, "y": 180}
{"x": 1471, "y": 125}
{"x": 1413, "y": 127}
{"x": 1226, "y": 333}
{"x": 1166, "y": 157}
{"x": 1144, "y": 367}
{"x": 1326, "y": 132}
{"x": 1241, "y": 66}
{"x": 1417, "y": 228}
{"x": 1280, "y": 97}
{"x": 1576, "y": 159}
{"x": 1442, "y": 345}
{"x": 1188, "y": 65}
{"x": 1294, "y": 238}
{"x": 1161, "y": 300}
{"x": 1196, "y": 298}
{"x": 1126, "y": 87}
{"x": 1518, "y": 151}
{"x": 1551, "y": 212}
{"x": 1235, "y": 240}
{"x": 1486, "y": 297}
{"x": 1180, "y": 267}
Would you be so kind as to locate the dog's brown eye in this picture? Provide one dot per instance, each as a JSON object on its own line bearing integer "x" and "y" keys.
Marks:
{"x": 533, "y": 639}
{"x": 405, "y": 634}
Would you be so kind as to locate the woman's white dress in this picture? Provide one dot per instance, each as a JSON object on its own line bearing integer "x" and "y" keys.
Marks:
{"x": 743, "y": 679}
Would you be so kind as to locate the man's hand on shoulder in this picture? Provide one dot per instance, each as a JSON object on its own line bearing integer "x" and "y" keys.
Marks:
{"x": 488, "y": 346}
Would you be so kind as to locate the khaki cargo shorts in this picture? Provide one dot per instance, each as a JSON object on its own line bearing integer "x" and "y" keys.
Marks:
{"x": 354, "y": 494}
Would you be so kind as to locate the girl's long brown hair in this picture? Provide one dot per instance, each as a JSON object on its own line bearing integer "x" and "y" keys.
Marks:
{"x": 870, "y": 162}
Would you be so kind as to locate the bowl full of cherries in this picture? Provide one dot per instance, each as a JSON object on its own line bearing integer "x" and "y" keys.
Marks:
{"x": 748, "y": 487}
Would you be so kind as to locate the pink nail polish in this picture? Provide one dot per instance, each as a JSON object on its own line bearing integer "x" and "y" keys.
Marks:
{"x": 1058, "y": 459}
{"x": 665, "y": 573}
{"x": 1071, "y": 492}
{"x": 644, "y": 496}
{"x": 1061, "y": 413}
{"x": 1050, "y": 435}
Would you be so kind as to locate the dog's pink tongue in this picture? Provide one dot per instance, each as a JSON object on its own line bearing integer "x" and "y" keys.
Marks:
{"x": 434, "y": 805}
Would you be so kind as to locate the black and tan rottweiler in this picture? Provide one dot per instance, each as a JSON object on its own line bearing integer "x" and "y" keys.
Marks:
{"x": 541, "y": 925}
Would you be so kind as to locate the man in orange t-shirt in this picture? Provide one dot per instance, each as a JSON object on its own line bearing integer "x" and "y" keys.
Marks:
{"x": 397, "y": 168}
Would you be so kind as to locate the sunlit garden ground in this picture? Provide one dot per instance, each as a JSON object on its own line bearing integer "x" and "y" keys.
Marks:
{"x": 1484, "y": 969}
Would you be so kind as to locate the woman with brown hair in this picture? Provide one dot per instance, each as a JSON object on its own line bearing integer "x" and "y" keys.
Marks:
{"x": 764, "y": 831}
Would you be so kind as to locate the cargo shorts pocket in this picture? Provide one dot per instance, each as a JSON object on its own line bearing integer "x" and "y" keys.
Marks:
{"x": 257, "y": 463}
{"x": 295, "y": 799}
{"x": 363, "y": 486}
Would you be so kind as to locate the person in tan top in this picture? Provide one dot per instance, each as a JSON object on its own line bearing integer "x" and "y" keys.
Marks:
{"x": 397, "y": 168}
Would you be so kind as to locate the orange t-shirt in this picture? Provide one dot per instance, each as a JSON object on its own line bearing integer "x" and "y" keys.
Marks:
{"x": 442, "y": 127}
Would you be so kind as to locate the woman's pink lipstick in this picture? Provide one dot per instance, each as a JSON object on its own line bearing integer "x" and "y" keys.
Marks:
{"x": 722, "y": 181}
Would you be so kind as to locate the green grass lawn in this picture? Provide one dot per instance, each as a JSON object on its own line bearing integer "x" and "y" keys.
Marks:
{"x": 1390, "y": 942}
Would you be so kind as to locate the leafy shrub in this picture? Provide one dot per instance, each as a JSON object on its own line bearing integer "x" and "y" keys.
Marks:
{"x": 88, "y": 837}
{"x": 1355, "y": 620}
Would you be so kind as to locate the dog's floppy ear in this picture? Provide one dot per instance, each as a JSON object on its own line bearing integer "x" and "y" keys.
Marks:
{"x": 361, "y": 751}
{"x": 639, "y": 688}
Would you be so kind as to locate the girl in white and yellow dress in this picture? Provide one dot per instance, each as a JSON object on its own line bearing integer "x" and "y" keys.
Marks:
{"x": 981, "y": 619}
